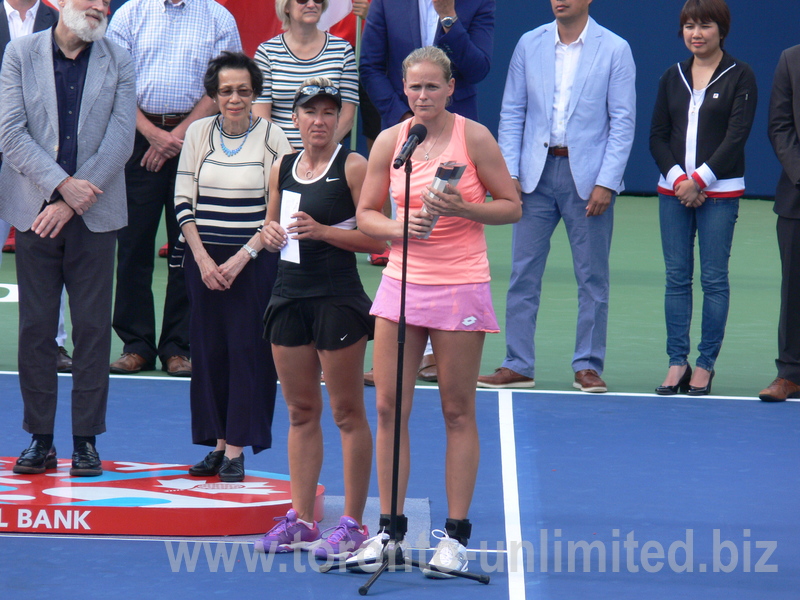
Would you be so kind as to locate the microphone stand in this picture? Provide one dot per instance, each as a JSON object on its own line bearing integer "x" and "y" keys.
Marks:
{"x": 392, "y": 554}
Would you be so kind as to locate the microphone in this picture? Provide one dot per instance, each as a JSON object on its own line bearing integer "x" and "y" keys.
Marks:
{"x": 415, "y": 137}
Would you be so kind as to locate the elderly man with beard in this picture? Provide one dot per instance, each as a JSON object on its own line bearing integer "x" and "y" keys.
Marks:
{"x": 68, "y": 110}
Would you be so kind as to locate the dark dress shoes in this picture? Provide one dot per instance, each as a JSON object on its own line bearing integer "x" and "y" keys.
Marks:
{"x": 681, "y": 388}
{"x": 209, "y": 466}
{"x": 63, "y": 361}
{"x": 702, "y": 391}
{"x": 178, "y": 366}
{"x": 36, "y": 458}
{"x": 85, "y": 461}
{"x": 232, "y": 469}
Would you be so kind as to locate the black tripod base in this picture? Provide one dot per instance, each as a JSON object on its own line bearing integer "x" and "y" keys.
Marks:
{"x": 394, "y": 557}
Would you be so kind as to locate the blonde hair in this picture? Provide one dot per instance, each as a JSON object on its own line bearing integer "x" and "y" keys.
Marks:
{"x": 283, "y": 15}
{"x": 320, "y": 81}
{"x": 430, "y": 54}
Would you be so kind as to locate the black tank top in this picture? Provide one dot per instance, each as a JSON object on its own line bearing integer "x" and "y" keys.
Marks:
{"x": 324, "y": 270}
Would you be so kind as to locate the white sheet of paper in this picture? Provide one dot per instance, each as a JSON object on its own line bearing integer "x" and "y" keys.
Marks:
{"x": 290, "y": 204}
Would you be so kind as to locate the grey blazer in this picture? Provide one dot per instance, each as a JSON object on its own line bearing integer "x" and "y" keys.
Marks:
{"x": 29, "y": 131}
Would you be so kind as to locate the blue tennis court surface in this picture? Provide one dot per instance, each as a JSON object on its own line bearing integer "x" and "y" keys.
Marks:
{"x": 578, "y": 496}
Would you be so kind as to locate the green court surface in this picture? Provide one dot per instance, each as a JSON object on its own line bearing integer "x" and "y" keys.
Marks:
{"x": 636, "y": 359}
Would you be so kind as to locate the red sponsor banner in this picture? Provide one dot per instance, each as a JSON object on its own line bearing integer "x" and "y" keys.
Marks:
{"x": 132, "y": 498}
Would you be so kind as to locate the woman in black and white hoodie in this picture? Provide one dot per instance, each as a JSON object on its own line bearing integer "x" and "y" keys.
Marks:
{"x": 702, "y": 118}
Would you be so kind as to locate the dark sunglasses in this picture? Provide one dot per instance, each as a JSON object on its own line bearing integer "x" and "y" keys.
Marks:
{"x": 309, "y": 91}
{"x": 313, "y": 90}
{"x": 307, "y": 1}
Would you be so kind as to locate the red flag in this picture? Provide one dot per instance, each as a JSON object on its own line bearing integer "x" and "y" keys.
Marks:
{"x": 256, "y": 19}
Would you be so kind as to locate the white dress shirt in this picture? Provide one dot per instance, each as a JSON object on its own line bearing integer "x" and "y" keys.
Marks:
{"x": 428, "y": 22}
{"x": 567, "y": 57}
{"x": 16, "y": 26}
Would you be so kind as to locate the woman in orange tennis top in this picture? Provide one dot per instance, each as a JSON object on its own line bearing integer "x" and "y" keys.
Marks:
{"x": 448, "y": 292}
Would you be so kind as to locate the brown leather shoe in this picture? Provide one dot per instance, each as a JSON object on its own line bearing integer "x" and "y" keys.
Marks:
{"x": 129, "y": 363}
{"x": 427, "y": 369}
{"x": 588, "y": 380}
{"x": 63, "y": 361}
{"x": 369, "y": 378}
{"x": 178, "y": 366}
{"x": 505, "y": 378}
{"x": 779, "y": 390}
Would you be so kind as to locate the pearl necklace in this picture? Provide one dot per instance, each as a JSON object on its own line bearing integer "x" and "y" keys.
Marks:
{"x": 227, "y": 150}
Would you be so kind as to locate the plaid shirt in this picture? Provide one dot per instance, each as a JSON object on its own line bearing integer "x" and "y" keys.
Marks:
{"x": 171, "y": 45}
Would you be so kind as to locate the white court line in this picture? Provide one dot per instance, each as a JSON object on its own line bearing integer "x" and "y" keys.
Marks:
{"x": 508, "y": 456}
{"x": 649, "y": 396}
{"x": 436, "y": 387}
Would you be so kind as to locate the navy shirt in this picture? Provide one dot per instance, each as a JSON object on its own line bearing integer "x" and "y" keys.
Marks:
{"x": 70, "y": 75}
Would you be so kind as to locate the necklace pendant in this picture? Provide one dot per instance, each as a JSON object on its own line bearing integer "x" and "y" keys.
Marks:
{"x": 426, "y": 156}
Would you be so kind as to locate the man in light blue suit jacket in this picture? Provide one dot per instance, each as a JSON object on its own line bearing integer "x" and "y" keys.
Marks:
{"x": 67, "y": 120}
{"x": 566, "y": 129}
{"x": 392, "y": 31}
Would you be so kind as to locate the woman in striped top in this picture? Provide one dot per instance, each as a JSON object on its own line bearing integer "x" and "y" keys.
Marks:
{"x": 302, "y": 52}
{"x": 221, "y": 195}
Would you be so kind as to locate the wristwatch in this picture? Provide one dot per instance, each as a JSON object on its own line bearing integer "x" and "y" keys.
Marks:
{"x": 253, "y": 254}
{"x": 447, "y": 22}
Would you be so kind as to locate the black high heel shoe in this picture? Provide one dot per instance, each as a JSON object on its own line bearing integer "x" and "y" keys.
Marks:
{"x": 682, "y": 387}
{"x": 702, "y": 391}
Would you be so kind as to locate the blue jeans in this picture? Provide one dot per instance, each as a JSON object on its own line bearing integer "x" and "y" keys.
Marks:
{"x": 713, "y": 224}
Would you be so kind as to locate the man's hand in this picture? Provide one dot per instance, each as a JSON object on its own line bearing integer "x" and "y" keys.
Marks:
{"x": 445, "y": 8}
{"x": 164, "y": 142}
{"x": 163, "y": 146}
{"x": 79, "y": 194}
{"x": 52, "y": 219}
{"x": 361, "y": 8}
{"x": 153, "y": 160}
{"x": 599, "y": 201}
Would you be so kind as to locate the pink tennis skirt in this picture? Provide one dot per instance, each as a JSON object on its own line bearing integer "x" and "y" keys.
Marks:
{"x": 463, "y": 307}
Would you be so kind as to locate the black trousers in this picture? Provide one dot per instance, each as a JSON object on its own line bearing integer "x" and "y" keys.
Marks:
{"x": 84, "y": 262}
{"x": 788, "y": 361}
{"x": 149, "y": 195}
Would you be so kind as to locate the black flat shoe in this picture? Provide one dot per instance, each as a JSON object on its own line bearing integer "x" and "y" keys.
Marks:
{"x": 702, "y": 391}
{"x": 36, "y": 458}
{"x": 682, "y": 387}
{"x": 86, "y": 461}
{"x": 209, "y": 465}
{"x": 232, "y": 469}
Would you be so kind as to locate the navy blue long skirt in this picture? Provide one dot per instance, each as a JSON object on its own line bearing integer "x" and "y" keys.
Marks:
{"x": 233, "y": 376}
